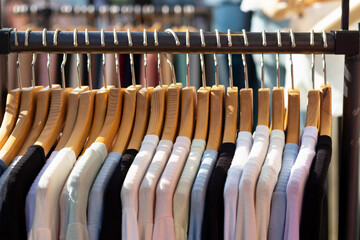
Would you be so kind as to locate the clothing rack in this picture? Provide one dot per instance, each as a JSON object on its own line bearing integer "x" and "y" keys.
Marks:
{"x": 338, "y": 42}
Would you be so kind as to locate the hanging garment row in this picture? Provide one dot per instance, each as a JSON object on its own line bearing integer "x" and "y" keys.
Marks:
{"x": 167, "y": 162}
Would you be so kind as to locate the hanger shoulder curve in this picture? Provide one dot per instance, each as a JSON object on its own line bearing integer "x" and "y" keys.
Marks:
{"x": 127, "y": 119}
{"x": 41, "y": 113}
{"x": 231, "y": 114}
{"x": 72, "y": 110}
{"x": 313, "y": 108}
{"x": 263, "y": 106}
{"x": 293, "y": 116}
{"x": 100, "y": 108}
{"x": 56, "y": 116}
{"x": 113, "y": 115}
{"x": 187, "y": 115}
{"x": 172, "y": 112}
{"x": 157, "y": 112}
{"x": 83, "y": 121}
{"x": 11, "y": 114}
{"x": 246, "y": 109}
{"x": 141, "y": 117}
{"x": 202, "y": 113}
{"x": 325, "y": 110}
{"x": 25, "y": 119}
{"x": 278, "y": 108}
{"x": 216, "y": 117}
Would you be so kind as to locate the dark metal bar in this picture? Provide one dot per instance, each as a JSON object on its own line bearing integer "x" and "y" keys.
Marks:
{"x": 349, "y": 162}
{"x": 345, "y": 14}
{"x": 167, "y": 43}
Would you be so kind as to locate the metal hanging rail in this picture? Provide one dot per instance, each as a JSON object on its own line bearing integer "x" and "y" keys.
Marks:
{"x": 341, "y": 42}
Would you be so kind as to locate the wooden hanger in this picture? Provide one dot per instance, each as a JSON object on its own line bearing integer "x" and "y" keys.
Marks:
{"x": 72, "y": 109}
{"x": 26, "y": 115}
{"x": 278, "y": 104}
{"x": 313, "y": 107}
{"x": 231, "y": 105}
{"x": 101, "y": 100}
{"x": 127, "y": 120}
{"x": 203, "y": 105}
{"x": 12, "y": 104}
{"x": 172, "y": 107}
{"x": 246, "y": 97}
{"x": 325, "y": 100}
{"x": 263, "y": 100}
{"x": 42, "y": 107}
{"x": 292, "y": 119}
{"x": 216, "y": 111}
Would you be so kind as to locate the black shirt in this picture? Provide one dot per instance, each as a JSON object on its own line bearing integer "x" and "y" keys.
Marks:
{"x": 213, "y": 223}
{"x": 111, "y": 223}
{"x": 313, "y": 207}
{"x": 17, "y": 185}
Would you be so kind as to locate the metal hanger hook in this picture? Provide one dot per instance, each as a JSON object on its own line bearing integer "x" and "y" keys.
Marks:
{"x": 279, "y": 41}
{"x": 324, "y": 39}
{"x": 246, "y": 42}
{"x": 44, "y": 37}
{"x": 312, "y": 38}
{"x": 203, "y": 75}
{"x": 292, "y": 71}
{"x": 63, "y": 70}
{"x": 177, "y": 42}
{"x": 116, "y": 41}
{"x": 187, "y": 59}
{"x": 202, "y": 38}
{"x": 145, "y": 43}
{"x": 156, "y": 38}
{"x": 263, "y": 36}
{"x": 130, "y": 43}
{"x": 292, "y": 38}
{"x": 218, "y": 42}
{"x": 17, "y": 60}
{"x": 87, "y": 40}
{"x": 173, "y": 76}
{"x": 56, "y": 34}
{"x": 231, "y": 78}
{"x": 33, "y": 62}
{"x": 27, "y": 33}
{"x": 102, "y": 37}
{"x": 75, "y": 38}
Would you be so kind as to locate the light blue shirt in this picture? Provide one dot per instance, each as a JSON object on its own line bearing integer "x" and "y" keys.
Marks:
{"x": 278, "y": 201}
{"x": 96, "y": 196}
{"x": 198, "y": 193}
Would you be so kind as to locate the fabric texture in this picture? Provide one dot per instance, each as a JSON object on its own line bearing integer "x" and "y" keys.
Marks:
{"x": 296, "y": 185}
{"x": 213, "y": 223}
{"x": 231, "y": 190}
{"x": 164, "y": 220}
{"x": 3, "y": 167}
{"x": 96, "y": 196}
{"x": 18, "y": 183}
{"x": 4, "y": 177}
{"x": 46, "y": 216}
{"x": 278, "y": 201}
{"x": 198, "y": 193}
{"x": 111, "y": 223}
{"x": 78, "y": 186}
{"x": 267, "y": 181}
{"x": 246, "y": 218}
{"x": 315, "y": 192}
{"x": 181, "y": 200}
{"x": 130, "y": 188}
{"x": 30, "y": 197}
{"x": 148, "y": 187}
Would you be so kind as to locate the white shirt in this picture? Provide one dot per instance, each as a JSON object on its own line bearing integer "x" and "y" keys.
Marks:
{"x": 30, "y": 197}
{"x": 245, "y": 218}
{"x": 296, "y": 185}
{"x": 148, "y": 186}
{"x": 267, "y": 181}
{"x": 46, "y": 215}
{"x": 164, "y": 221}
{"x": 96, "y": 196}
{"x": 78, "y": 187}
{"x": 198, "y": 193}
{"x": 183, "y": 189}
{"x": 231, "y": 190}
{"x": 130, "y": 188}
